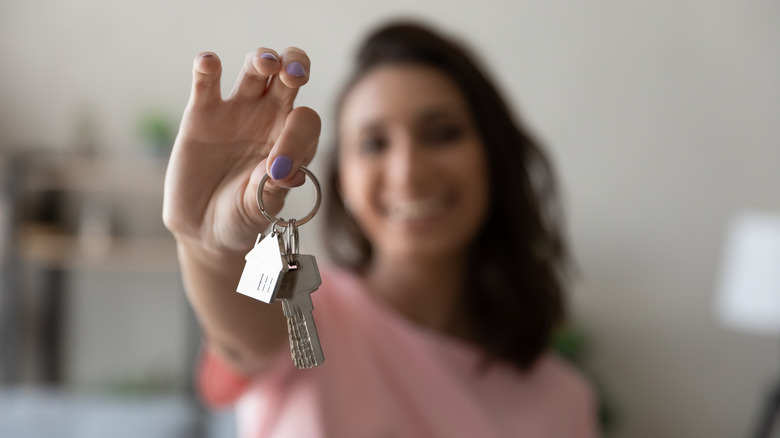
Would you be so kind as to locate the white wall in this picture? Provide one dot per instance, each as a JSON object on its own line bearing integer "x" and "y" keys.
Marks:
{"x": 662, "y": 116}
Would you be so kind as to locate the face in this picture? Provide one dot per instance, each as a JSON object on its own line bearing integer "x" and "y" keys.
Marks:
{"x": 413, "y": 168}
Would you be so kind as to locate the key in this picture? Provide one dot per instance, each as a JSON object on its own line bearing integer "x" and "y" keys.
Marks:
{"x": 264, "y": 270}
{"x": 292, "y": 282}
{"x": 298, "y": 283}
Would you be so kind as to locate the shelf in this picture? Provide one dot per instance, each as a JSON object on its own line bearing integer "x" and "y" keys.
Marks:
{"x": 49, "y": 247}
{"x": 108, "y": 175}
{"x": 97, "y": 217}
{"x": 97, "y": 178}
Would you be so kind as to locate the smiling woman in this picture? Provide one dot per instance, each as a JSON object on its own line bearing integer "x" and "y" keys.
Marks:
{"x": 438, "y": 319}
{"x": 439, "y": 128}
{"x": 412, "y": 166}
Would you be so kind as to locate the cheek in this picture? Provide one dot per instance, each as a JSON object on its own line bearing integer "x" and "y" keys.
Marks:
{"x": 354, "y": 184}
{"x": 471, "y": 163}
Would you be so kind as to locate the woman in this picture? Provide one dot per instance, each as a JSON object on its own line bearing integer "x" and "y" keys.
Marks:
{"x": 437, "y": 322}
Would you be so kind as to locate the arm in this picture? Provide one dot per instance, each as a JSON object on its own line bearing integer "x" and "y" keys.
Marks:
{"x": 222, "y": 150}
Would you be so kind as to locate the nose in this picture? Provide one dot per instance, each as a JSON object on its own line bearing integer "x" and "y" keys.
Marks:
{"x": 406, "y": 164}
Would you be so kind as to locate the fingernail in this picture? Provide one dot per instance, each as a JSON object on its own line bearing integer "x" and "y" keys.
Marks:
{"x": 296, "y": 69}
{"x": 269, "y": 56}
{"x": 281, "y": 167}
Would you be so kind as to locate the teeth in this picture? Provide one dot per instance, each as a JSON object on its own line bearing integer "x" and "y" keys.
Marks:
{"x": 406, "y": 211}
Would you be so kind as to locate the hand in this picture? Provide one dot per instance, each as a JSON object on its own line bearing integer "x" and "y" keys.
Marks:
{"x": 225, "y": 146}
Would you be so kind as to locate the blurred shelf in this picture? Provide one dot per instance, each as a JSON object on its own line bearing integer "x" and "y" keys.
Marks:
{"x": 104, "y": 182}
{"x": 97, "y": 174}
{"x": 72, "y": 214}
{"x": 49, "y": 247}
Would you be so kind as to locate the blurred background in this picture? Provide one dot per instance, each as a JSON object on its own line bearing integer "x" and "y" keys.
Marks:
{"x": 661, "y": 116}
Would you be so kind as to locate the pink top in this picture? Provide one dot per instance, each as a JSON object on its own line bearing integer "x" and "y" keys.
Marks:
{"x": 385, "y": 376}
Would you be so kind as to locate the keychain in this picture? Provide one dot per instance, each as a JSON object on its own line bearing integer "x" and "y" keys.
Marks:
{"x": 275, "y": 270}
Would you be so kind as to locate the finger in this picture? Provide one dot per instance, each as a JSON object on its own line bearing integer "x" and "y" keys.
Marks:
{"x": 206, "y": 71}
{"x": 258, "y": 67}
{"x": 294, "y": 73}
{"x": 273, "y": 195}
{"x": 295, "y": 147}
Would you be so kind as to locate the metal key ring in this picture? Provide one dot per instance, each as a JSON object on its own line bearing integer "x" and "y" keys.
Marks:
{"x": 283, "y": 222}
{"x": 291, "y": 242}
{"x": 292, "y": 247}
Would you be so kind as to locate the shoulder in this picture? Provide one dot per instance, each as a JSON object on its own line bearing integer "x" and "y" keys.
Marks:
{"x": 565, "y": 391}
{"x": 563, "y": 379}
{"x": 552, "y": 397}
{"x": 550, "y": 378}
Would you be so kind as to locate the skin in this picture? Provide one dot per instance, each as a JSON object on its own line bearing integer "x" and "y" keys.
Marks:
{"x": 223, "y": 148}
{"x": 429, "y": 172}
{"x": 413, "y": 173}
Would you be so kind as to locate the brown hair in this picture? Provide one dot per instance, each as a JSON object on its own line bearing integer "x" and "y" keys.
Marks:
{"x": 514, "y": 294}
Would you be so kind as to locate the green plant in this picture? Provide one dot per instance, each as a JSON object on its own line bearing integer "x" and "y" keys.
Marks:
{"x": 157, "y": 130}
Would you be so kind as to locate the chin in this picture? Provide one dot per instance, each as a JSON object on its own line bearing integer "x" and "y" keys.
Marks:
{"x": 427, "y": 247}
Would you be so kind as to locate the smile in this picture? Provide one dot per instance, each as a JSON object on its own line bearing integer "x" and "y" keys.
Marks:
{"x": 416, "y": 210}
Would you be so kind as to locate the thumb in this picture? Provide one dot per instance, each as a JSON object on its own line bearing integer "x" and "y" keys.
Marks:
{"x": 272, "y": 193}
{"x": 295, "y": 147}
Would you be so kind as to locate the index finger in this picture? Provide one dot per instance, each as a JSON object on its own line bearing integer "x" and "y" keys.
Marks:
{"x": 294, "y": 74}
{"x": 295, "y": 147}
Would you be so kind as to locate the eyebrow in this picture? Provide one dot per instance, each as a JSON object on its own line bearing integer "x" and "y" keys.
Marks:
{"x": 421, "y": 118}
{"x": 437, "y": 113}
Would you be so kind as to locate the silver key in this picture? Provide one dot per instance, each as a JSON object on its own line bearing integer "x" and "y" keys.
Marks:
{"x": 264, "y": 269}
{"x": 298, "y": 283}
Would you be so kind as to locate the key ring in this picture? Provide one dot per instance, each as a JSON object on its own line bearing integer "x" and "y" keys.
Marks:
{"x": 290, "y": 238}
{"x": 291, "y": 233}
{"x": 279, "y": 221}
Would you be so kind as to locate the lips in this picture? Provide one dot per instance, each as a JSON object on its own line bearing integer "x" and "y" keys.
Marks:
{"x": 417, "y": 210}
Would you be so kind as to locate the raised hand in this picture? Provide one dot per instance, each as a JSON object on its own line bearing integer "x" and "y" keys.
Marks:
{"x": 224, "y": 147}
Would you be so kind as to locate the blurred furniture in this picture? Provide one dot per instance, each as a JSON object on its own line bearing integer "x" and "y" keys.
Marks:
{"x": 46, "y": 413}
{"x": 9, "y": 188}
{"x": 73, "y": 213}
{"x": 66, "y": 214}
{"x": 749, "y": 295}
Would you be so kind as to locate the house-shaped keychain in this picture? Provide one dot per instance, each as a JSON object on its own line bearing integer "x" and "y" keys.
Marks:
{"x": 264, "y": 269}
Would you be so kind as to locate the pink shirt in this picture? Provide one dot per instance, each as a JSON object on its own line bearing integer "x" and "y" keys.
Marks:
{"x": 385, "y": 376}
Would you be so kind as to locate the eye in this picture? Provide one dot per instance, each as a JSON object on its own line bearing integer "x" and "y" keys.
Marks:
{"x": 443, "y": 133}
{"x": 373, "y": 144}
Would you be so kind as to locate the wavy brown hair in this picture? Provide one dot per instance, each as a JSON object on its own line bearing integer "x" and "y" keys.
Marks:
{"x": 514, "y": 294}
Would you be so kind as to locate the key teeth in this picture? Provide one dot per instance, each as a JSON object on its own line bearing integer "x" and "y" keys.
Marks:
{"x": 300, "y": 342}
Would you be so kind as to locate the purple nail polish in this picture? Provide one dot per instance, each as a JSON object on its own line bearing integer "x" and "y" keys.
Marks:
{"x": 296, "y": 69}
{"x": 270, "y": 56}
{"x": 281, "y": 167}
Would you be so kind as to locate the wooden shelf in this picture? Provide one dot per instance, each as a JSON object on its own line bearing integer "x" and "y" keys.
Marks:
{"x": 74, "y": 214}
{"x": 95, "y": 177}
{"x": 49, "y": 247}
{"x": 108, "y": 175}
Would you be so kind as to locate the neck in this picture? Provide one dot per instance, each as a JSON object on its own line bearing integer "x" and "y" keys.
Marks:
{"x": 426, "y": 291}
